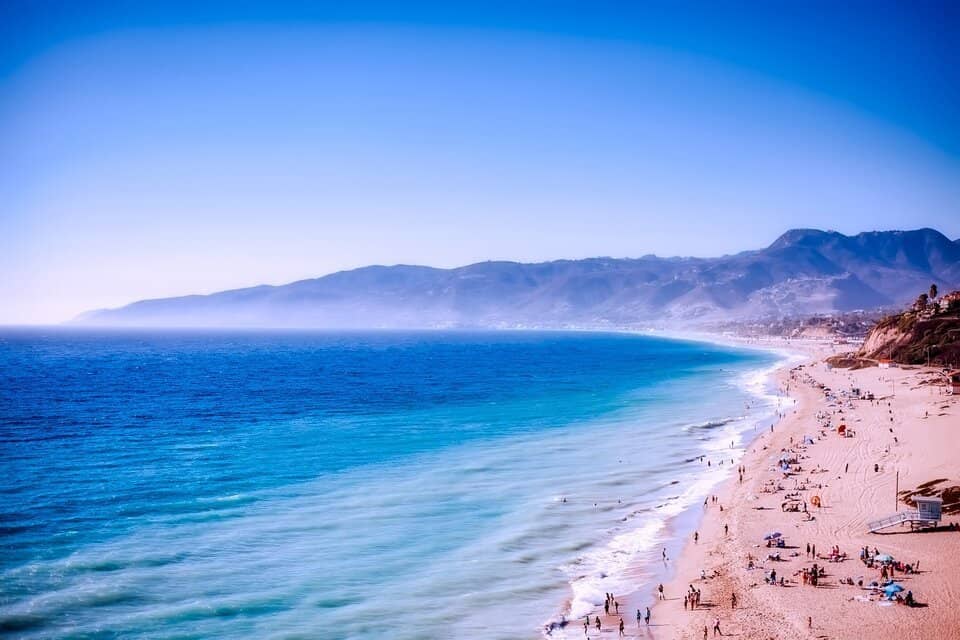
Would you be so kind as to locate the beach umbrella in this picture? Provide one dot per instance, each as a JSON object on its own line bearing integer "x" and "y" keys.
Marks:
{"x": 773, "y": 535}
{"x": 892, "y": 588}
{"x": 883, "y": 557}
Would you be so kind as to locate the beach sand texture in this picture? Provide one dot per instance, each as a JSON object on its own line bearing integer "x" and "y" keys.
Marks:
{"x": 924, "y": 445}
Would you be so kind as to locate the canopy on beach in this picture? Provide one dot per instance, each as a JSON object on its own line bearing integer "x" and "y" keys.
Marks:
{"x": 773, "y": 535}
{"x": 807, "y": 440}
{"x": 892, "y": 588}
{"x": 883, "y": 557}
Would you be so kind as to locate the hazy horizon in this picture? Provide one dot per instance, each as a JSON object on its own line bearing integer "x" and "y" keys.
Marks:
{"x": 148, "y": 152}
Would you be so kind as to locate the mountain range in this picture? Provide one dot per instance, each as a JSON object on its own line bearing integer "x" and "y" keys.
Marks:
{"x": 804, "y": 272}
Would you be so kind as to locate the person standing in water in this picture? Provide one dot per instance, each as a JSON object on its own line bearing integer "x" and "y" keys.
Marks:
{"x": 621, "y": 627}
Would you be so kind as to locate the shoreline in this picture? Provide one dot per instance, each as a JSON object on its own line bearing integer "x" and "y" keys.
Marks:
{"x": 767, "y": 612}
{"x": 760, "y": 383}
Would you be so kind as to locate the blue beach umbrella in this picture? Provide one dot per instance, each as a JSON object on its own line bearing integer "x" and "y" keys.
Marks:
{"x": 892, "y": 588}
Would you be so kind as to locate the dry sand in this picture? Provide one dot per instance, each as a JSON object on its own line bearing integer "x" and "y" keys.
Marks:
{"x": 926, "y": 425}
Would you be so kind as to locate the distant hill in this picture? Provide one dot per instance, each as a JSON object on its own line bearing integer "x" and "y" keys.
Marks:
{"x": 805, "y": 271}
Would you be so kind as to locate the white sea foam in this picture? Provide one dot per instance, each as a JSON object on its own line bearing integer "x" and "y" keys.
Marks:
{"x": 618, "y": 566}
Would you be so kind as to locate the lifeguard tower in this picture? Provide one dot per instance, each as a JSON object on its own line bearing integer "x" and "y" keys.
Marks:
{"x": 927, "y": 514}
{"x": 928, "y": 509}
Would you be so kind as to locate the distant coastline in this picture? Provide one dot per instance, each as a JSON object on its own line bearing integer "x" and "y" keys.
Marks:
{"x": 804, "y": 272}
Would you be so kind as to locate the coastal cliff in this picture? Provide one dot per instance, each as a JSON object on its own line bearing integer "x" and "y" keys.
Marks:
{"x": 920, "y": 335}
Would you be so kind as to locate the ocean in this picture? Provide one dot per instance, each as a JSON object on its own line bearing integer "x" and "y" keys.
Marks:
{"x": 410, "y": 485}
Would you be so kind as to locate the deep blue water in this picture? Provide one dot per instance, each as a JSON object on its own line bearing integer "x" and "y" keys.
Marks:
{"x": 297, "y": 484}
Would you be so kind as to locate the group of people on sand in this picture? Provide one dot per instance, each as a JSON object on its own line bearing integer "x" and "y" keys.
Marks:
{"x": 645, "y": 617}
{"x": 691, "y": 599}
{"x": 812, "y": 575}
{"x": 610, "y": 601}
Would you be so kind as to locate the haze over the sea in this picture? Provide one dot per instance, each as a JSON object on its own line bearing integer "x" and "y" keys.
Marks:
{"x": 152, "y": 150}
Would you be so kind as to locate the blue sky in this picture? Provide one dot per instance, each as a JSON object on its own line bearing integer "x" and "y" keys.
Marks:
{"x": 155, "y": 149}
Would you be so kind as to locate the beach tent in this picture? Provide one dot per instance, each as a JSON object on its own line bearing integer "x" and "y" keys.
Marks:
{"x": 772, "y": 535}
{"x": 883, "y": 557}
{"x": 807, "y": 440}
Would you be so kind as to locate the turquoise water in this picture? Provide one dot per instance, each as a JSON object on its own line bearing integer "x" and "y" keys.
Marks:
{"x": 350, "y": 485}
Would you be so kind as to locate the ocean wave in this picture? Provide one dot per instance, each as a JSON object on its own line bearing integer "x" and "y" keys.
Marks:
{"x": 614, "y": 566}
{"x": 711, "y": 424}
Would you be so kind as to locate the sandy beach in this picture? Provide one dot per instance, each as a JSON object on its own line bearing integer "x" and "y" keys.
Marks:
{"x": 905, "y": 437}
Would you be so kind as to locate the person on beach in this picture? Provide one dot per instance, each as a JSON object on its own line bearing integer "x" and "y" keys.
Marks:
{"x": 704, "y": 632}
{"x": 606, "y": 606}
{"x": 646, "y": 617}
{"x": 660, "y": 591}
{"x": 616, "y": 607}
{"x": 685, "y": 600}
{"x": 586, "y": 625}
{"x": 733, "y": 600}
{"x": 716, "y": 626}
{"x": 621, "y": 627}
{"x": 598, "y": 623}
{"x": 696, "y": 536}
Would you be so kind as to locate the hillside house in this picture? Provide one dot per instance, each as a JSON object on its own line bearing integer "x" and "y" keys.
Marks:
{"x": 943, "y": 302}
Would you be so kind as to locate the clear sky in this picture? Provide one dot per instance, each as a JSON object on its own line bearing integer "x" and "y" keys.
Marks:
{"x": 164, "y": 148}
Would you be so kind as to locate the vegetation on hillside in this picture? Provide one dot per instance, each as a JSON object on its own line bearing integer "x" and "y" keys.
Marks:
{"x": 928, "y": 332}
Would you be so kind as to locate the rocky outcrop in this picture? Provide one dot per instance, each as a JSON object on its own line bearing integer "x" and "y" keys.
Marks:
{"x": 914, "y": 338}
